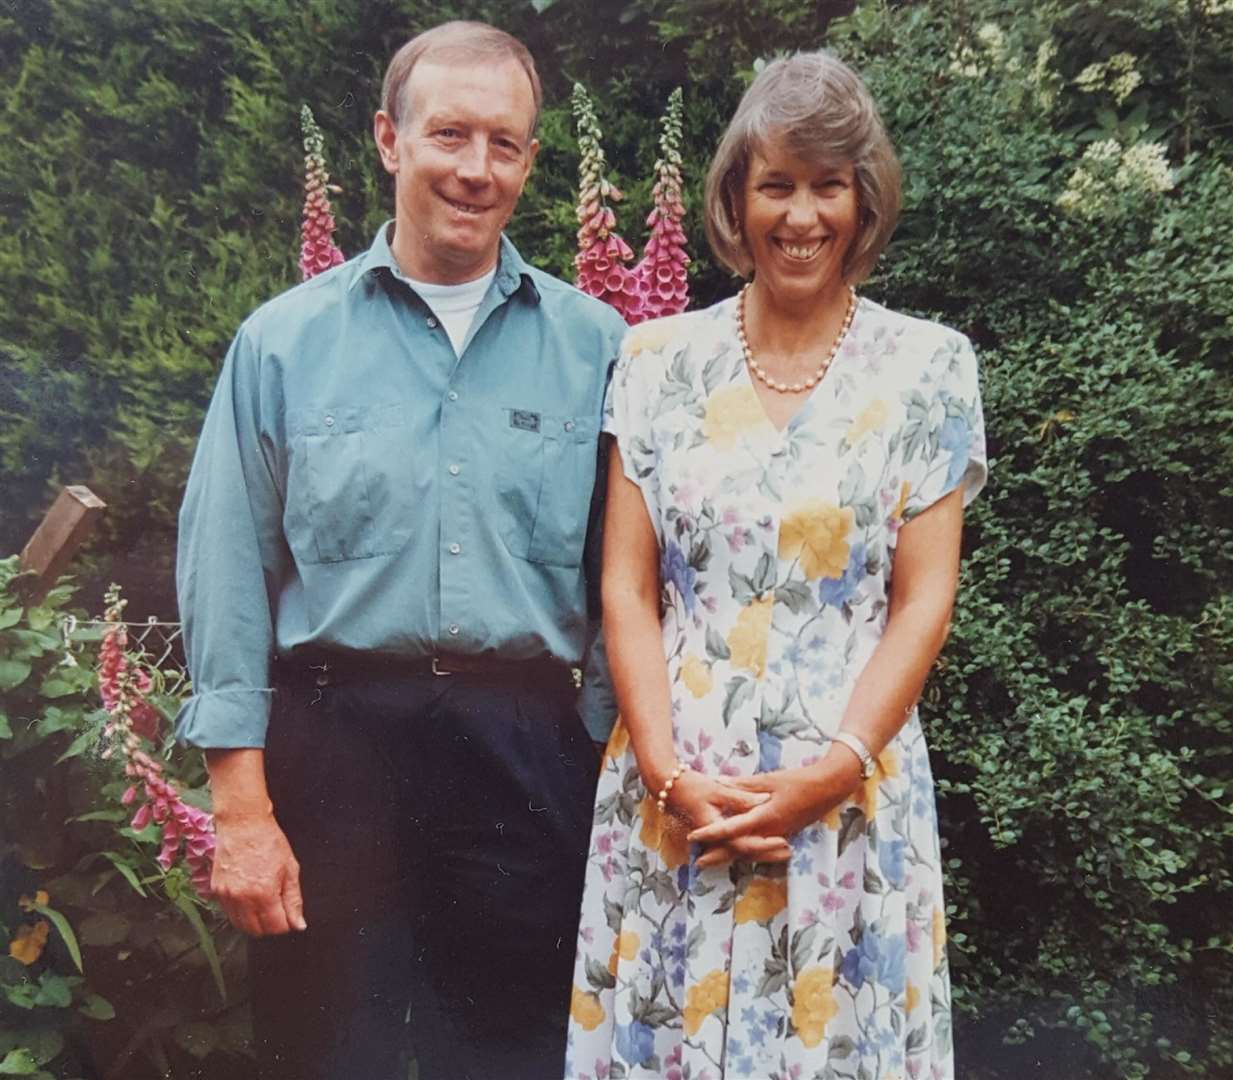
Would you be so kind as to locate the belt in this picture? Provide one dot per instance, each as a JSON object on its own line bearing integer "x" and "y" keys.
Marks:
{"x": 333, "y": 667}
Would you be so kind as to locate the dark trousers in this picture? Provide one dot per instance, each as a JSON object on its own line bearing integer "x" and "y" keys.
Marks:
{"x": 442, "y": 825}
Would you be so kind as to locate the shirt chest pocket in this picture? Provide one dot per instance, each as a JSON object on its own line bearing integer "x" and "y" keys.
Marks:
{"x": 350, "y": 491}
{"x": 544, "y": 477}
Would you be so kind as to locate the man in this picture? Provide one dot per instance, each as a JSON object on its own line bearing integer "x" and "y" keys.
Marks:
{"x": 385, "y": 553}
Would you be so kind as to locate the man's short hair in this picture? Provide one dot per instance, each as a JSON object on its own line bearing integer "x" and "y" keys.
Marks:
{"x": 457, "y": 40}
{"x": 822, "y": 112}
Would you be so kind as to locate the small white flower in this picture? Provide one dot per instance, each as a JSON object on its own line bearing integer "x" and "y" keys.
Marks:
{"x": 994, "y": 41}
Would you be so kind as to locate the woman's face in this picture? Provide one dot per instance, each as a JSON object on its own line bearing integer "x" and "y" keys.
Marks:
{"x": 799, "y": 220}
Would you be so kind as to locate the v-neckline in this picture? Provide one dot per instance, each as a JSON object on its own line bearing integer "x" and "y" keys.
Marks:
{"x": 808, "y": 400}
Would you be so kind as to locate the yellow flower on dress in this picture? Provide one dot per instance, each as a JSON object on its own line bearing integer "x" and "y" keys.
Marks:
{"x": 618, "y": 740}
{"x": 817, "y": 533}
{"x": 585, "y": 1009}
{"x": 624, "y": 948}
{"x": 814, "y": 1005}
{"x": 28, "y": 943}
{"x": 901, "y": 505}
{"x": 871, "y": 419}
{"x": 653, "y": 335}
{"x": 939, "y": 935}
{"x": 730, "y": 412}
{"x": 663, "y": 833}
{"x": 763, "y": 900}
{"x": 704, "y": 997}
{"x": 696, "y": 675}
{"x": 28, "y": 903}
{"x": 913, "y": 999}
{"x": 747, "y": 639}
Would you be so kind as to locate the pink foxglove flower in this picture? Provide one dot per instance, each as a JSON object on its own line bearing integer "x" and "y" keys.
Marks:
{"x": 658, "y": 284}
{"x": 123, "y": 685}
{"x": 662, "y": 268}
{"x": 603, "y": 255}
{"x": 318, "y": 251}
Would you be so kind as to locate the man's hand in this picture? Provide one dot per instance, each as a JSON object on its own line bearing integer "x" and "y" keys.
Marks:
{"x": 256, "y": 877}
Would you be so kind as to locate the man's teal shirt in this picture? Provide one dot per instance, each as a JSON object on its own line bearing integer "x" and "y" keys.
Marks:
{"x": 359, "y": 486}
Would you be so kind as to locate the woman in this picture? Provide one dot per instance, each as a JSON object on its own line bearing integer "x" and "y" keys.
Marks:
{"x": 786, "y": 495}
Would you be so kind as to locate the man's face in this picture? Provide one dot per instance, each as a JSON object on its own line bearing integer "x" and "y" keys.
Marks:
{"x": 459, "y": 161}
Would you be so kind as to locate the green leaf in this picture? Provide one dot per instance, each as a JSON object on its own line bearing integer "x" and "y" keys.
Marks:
{"x": 599, "y": 977}
{"x": 542, "y": 5}
{"x": 13, "y": 673}
{"x": 18, "y": 1062}
{"x": 97, "y": 1007}
{"x": 6, "y": 732}
{"x": 10, "y": 617}
{"x": 54, "y": 990}
{"x": 189, "y": 909}
{"x": 64, "y": 930}
{"x": 850, "y": 823}
{"x": 40, "y": 618}
{"x": 56, "y": 719}
{"x": 44, "y": 1044}
{"x": 738, "y": 691}
{"x": 716, "y": 647}
{"x": 79, "y": 745}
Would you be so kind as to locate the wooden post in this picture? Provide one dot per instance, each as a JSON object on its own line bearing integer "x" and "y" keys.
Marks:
{"x": 70, "y": 520}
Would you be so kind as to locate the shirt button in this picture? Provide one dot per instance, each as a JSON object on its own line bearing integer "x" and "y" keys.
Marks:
{"x": 454, "y": 628}
{"x": 329, "y": 421}
{"x": 455, "y": 549}
{"x": 432, "y": 323}
{"x": 569, "y": 425}
{"x": 454, "y": 470}
{"x": 452, "y": 395}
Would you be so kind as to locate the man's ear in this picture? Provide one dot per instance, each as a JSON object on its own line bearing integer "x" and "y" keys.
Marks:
{"x": 385, "y": 134}
{"x": 532, "y": 152}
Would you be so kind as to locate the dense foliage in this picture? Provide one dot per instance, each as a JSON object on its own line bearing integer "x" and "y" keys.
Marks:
{"x": 112, "y": 965}
{"x": 1069, "y": 180}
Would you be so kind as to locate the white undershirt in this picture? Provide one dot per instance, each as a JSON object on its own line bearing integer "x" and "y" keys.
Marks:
{"x": 455, "y": 305}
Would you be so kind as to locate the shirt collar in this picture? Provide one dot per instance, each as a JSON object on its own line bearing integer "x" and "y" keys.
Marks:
{"x": 512, "y": 270}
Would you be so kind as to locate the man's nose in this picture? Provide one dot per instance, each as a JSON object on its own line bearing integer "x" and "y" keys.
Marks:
{"x": 474, "y": 163}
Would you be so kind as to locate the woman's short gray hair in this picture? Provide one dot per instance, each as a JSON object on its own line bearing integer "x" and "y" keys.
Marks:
{"x": 819, "y": 108}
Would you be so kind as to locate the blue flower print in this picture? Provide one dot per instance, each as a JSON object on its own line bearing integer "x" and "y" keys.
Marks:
{"x": 635, "y": 1042}
{"x": 878, "y": 959}
{"x": 770, "y": 751}
{"x": 675, "y": 568}
{"x": 891, "y": 861}
{"x": 838, "y": 591}
{"x": 955, "y": 438}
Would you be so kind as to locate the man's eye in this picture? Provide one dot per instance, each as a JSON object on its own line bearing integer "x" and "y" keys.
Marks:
{"x": 449, "y": 133}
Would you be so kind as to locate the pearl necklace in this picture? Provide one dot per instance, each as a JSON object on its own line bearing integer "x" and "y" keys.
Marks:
{"x": 816, "y": 377}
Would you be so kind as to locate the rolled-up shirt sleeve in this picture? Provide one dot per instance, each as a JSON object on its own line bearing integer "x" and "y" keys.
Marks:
{"x": 231, "y": 559}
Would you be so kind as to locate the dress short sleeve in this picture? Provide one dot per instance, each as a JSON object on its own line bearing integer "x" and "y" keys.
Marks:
{"x": 944, "y": 437}
{"x": 634, "y": 402}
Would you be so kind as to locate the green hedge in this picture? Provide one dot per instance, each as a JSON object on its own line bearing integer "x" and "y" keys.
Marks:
{"x": 1081, "y": 714}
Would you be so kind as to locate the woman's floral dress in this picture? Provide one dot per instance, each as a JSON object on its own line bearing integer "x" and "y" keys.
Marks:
{"x": 777, "y": 551}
